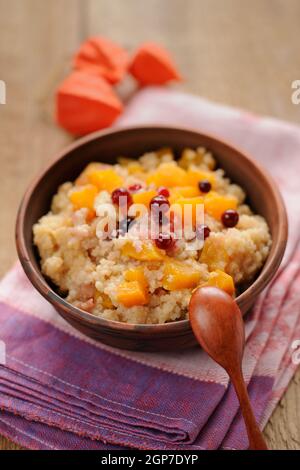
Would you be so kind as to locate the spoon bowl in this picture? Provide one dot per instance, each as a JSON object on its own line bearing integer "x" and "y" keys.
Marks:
{"x": 218, "y": 325}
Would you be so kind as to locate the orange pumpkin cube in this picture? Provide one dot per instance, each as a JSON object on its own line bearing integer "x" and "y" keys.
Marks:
{"x": 179, "y": 275}
{"x": 169, "y": 175}
{"x": 215, "y": 204}
{"x": 83, "y": 177}
{"x": 83, "y": 197}
{"x": 189, "y": 206}
{"x": 144, "y": 197}
{"x": 105, "y": 180}
{"x": 195, "y": 176}
{"x": 148, "y": 252}
{"x": 221, "y": 280}
{"x": 178, "y": 192}
{"x": 136, "y": 274}
{"x": 132, "y": 293}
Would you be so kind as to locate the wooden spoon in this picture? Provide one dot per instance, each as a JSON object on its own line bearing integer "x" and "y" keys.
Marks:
{"x": 217, "y": 323}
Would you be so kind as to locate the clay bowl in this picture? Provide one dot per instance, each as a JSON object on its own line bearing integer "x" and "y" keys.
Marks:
{"x": 262, "y": 194}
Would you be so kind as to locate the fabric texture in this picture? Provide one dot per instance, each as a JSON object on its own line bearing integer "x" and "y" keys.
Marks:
{"x": 62, "y": 390}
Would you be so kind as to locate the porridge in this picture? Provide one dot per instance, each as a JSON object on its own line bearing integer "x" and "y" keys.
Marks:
{"x": 141, "y": 266}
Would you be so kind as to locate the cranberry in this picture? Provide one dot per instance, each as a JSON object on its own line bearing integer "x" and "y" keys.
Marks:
{"x": 159, "y": 203}
{"x": 121, "y": 196}
{"x": 230, "y": 218}
{"x": 165, "y": 241}
{"x": 202, "y": 232}
{"x": 204, "y": 186}
{"x": 172, "y": 222}
{"x": 135, "y": 187}
{"x": 162, "y": 191}
{"x": 160, "y": 219}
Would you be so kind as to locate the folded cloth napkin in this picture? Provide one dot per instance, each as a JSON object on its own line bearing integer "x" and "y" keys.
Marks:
{"x": 62, "y": 390}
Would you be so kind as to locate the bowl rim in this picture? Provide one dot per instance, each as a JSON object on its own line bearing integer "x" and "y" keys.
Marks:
{"x": 40, "y": 283}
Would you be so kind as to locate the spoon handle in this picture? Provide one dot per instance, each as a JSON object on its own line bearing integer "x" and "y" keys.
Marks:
{"x": 256, "y": 439}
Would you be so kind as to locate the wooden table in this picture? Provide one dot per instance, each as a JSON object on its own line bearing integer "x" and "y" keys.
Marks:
{"x": 237, "y": 52}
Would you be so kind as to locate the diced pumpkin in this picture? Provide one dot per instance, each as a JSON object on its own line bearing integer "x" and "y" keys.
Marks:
{"x": 84, "y": 196}
{"x": 195, "y": 176}
{"x": 105, "y": 180}
{"x": 179, "y": 275}
{"x": 148, "y": 252}
{"x": 83, "y": 177}
{"x": 136, "y": 274}
{"x": 168, "y": 174}
{"x": 183, "y": 191}
{"x": 183, "y": 203}
{"x": 221, "y": 280}
{"x": 132, "y": 293}
{"x": 144, "y": 197}
{"x": 215, "y": 204}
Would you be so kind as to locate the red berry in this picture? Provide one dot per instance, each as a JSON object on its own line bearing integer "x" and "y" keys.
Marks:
{"x": 159, "y": 202}
{"x": 162, "y": 191}
{"x": 230, "y": 218}
{"x": 204, "y": 186}
{"x": 165, "y": 241}
{"x": 121, "y": 197}
{"x": 160, "y": 219}
{"x": 135, "y": 187}
{"x": 202, "y": 232}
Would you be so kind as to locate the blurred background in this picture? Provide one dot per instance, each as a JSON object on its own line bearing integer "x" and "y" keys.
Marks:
{"x": 241, "y": 53}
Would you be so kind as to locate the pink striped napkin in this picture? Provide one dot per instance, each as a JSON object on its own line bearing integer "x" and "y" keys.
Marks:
{"x": 61, "y": 390}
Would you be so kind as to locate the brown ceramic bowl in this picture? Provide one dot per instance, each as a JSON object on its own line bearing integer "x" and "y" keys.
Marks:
{"x": 262, "y": 194}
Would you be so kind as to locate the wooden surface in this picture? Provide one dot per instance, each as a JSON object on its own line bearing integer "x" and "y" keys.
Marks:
{"x": 241, "y": 53}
